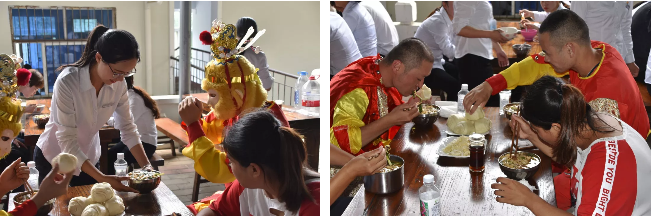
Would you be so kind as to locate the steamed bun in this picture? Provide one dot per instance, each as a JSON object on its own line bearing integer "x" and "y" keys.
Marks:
{"x": 77, "y": 205}
{"x": 482, "y": 125}
{"x": 455, "y": 119}
{"x": 114, "y": 206}
{"x": 95, "y": 210}
{"x": 425, "y": 93}
{"x": 102, "y": 192}
{"x": 67, "y": 162}
{"x": 463, "y": 128}
{"x": 479, "y": 113}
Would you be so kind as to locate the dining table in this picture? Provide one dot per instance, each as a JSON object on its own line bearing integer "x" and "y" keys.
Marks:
{"x": 32, "y": 132}
{"x": 161, "y": 201}
{"x": 462, "y": 192}
{"x": 508, "y": 46}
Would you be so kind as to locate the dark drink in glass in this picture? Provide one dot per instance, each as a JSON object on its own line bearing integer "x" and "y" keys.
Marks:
{"x": 477, "y": 143}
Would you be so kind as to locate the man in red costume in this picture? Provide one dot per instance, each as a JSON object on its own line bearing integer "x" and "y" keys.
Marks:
{"x": 366, "y": 105}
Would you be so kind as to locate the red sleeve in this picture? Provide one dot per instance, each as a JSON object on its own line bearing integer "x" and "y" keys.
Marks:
{"x": 609, "y": 185}
{"x": 229, "y": 202}
{"x": 498, "y": 83}
{"x": 27, "y": 208}
{"x": 308, "y": 207}
{"x": 195, "y": 131}
{"x": 278, "y": 113}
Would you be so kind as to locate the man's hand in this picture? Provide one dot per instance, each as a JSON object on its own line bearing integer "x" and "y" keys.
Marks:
{"x": 526, "y": 12}
{"x": 14, "y": 175}
{"x": 478, "y": 96}
{"x": 502, "y": 59}
{"x": 368, "y": 163}
{"x": 404, "y": 113}
{"x": 528, "y": 24}
{"x": 497, "y": 36}
{"x": 633, "y": 68}
{"x": 190, "y": 110}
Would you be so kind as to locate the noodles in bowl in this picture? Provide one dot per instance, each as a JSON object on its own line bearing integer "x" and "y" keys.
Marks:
{"x": 522, "y": 166}
{"x": 394, "y": 166}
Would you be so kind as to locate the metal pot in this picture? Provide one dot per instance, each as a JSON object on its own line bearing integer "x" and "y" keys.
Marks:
{"x": 426, "y": 120}
{"x": 389, "y": 182}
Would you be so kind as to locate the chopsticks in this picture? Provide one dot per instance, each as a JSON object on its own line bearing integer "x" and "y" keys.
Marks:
{"x": 29, "y": 189}
{"x": 515, "y": 138}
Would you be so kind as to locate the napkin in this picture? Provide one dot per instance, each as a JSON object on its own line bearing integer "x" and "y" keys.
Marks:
{"x": 448, "y": 108}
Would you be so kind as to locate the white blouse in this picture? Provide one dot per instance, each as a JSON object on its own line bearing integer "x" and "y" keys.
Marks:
{"x": 143, "y": 117}
{"x": 436, "y": 32}
{"x": 343, "y": 48}
{"x": 477, "y": 14}
{"x": 77, "y": 115}
{"x": 362, "y": 25}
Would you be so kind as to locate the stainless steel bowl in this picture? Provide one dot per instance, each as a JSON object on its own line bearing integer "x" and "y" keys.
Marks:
{"x": 24, "y": 196}
{"x": 519, "y": 174}
{"x": 423, "y": 120}
{"x": 521, "y": 50}
{"x": 144, "y": 186}
{"x": 389, "y": 182}
{"x": 508, "y": 109}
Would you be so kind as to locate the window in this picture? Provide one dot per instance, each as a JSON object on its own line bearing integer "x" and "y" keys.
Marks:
{"x": 48, "y": 37}
{"x": 511, "y": 8}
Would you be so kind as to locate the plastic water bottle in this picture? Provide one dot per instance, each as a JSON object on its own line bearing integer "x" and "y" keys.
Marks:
{"x": 33, "y": 175}
{"x": 311, "y": 100}
{"x": 302, "y": 79}
{"x": 121, "y": 167}
{"x": 429, "y": 194}
{"x": 462, "y": 94}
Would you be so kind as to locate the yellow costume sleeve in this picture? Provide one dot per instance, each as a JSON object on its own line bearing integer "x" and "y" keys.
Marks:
{"x": 213, "y": 130}
{"x": 208, "y": 161}
{"x": 4, "y": 213}
{"x": 526, "y": 72}
{"x": 345, "y": 131}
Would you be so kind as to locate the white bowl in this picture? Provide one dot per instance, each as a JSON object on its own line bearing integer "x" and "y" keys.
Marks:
{"x": 509, "y": 32}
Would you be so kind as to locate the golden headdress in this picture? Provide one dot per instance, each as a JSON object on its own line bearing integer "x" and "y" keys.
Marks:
{"x": 11, "y": 110}
{"x": 230, "y": 74}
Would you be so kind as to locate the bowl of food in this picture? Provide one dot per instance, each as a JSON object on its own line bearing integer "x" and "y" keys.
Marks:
{"x": 511, "y": 108}
{"x": 429, "y": 113}
{"x": 390, "y": 179}
{"x": 144, "y": 181}
{"x": 24, "y": 196}
{"x": 509, "y": 32}
{"x": 41, "y": 120}
{"x": 529, "y": 34}
{"x": 520, "y": 165}
{"x": 521, "y": 50}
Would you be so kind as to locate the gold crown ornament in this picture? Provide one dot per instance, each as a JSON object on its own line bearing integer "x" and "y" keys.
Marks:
{"x": 11, "y": 111}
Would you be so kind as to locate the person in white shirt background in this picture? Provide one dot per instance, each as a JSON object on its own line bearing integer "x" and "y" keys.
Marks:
{"x": 254, "y": 54}
{"x": 610, "y": 22}
{"x": 385, "y": 30}
{"x": 641, "y": 34}
{"x": 436, "y": 32}
{"x": 361, "y": 24}
{"x": 86, "y": 94}
{"x": 343, "y": 48}
{"x": 144, "y": 111}
{"x": 539, "y": 16}
{"x": 475, "y": 43}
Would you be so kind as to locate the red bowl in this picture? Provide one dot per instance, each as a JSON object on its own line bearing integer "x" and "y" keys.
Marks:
{"x": 529, "y": 34}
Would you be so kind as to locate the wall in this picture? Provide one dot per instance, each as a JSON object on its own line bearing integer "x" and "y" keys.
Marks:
{"x": 291, "y": 42}
{"x": 160, "y": 50}
{"x": 423, "y": 8}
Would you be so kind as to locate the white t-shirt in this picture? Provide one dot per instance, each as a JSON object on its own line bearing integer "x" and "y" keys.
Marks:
{"x": 343, "y": 48}
{"x": 143, "y": 117}
{"x": 362, "y": 25}
{"x": 387, "y": 34}
{"x": 539, "y": 16}
{"x": 436, "y": 32}
{"x": 478, "y": 15}
{"x": 611, "y": 176}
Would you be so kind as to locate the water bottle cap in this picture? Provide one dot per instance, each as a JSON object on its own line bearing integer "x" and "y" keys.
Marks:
{"x": 31, "y": 164}
{"x": 428, "y": 179}
{"x": 302, "y": 73}
{"x": 464, "y": 86}
{"x": 120, "y": 155}
{"x": 312, "y": 77}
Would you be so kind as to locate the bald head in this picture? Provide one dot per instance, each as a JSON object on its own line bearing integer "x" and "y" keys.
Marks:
{"x": 411, "y": 52}
{"x": 564, "y": 26}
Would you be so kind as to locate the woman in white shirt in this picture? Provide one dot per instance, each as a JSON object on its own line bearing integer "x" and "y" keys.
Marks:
{"x": 361, "y": 24}
{"x": 86, "y": 94}
{"x": 548, "y": 7}
{"x": 253, "y": 54}
{"x": 144, "y": 110}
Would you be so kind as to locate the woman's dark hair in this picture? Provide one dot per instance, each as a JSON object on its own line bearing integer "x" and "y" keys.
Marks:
{"x": 258, "y": 137}
{"x": 113, "y": 44}
{"x": 36, "y": 79}
{"x": 27, "y": 66}
{"x": 149, "y": 102}
{"x": 549, "y": 100}
{"x": 243, "y": 24}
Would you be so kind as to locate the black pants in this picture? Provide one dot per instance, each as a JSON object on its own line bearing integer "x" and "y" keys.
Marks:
{"x": 473, "y": 70}
{"x": 446, "y": 80}
{"x": 122, "y": 148}
{"x": 339, "y": 206}
{"x": 44, "y": 167}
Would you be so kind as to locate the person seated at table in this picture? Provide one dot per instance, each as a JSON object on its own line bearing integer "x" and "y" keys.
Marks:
{"x": 17, "y": 173}
{"x": 352, "y": 167}
{"x": 233, "y": 88}
{"x": 361, "y": 24}
{"x": 539, "y": 16}
{"x": 254, "y": 54}
{"x": 366, "y": 107}
{"x": 595, "y": 67}
{"x": 436, "y": 32}
{"x": 268, "y": 160}
{"x": 28, "y": 90}
{"x": 86, "y": 94}
{"x": 609, "y": 160}
{"x": 144, "y": 111}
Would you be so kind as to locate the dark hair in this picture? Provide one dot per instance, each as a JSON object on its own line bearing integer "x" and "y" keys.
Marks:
{"x": 149, "y": 102}
{"x": 243, "y": 24}
{"x": 27, "y": 66}
{"x": 36, "y": 79}
{"x": 548, "y": 101}
{"x": 258, "y": 137}
{"x": 411, "y": 52}
{"x": 437, "y": 9}
{"x": 113, "y": 44}
{"x": 565, "y": 26}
